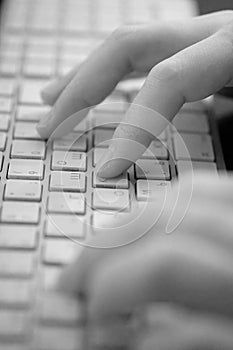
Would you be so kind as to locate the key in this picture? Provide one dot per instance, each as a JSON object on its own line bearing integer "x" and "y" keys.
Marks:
{"x": 20, "y": 212}
{"x": 102, "y": 137}
{"x": 15, "y": 293}
{"x": 98, "y": 154}
{"x": 36, "y": 70}
{"x": 26, "y": 169}
{"x": 4, "y": 122}
{"x": 1, "y": 159}
{"x": 30, "y": 91}
{"x": 14, "y": 324}
{"x": 111, "y": 199}
{"x": 112, "y": 104}
{"x": 191, "y": 122}
{"x": 18, "y": 264}
{"x": 66, "y": 203}
{"x": 156, "y": 150}
{"x": 9, "y": 68}
{"x": 65, "y": 225}
{"x": 109, "y": 219}
{"x": 23, "y": 190}
{"x": 25, "y": 130}
{"x": 31, "y": 113}
{"x": 106, "y": 120}
{"x": 7, "y": 87}
{"x": 50, "y": 276}
{"x": 2, "y": 141}
{"x": 58, "y": 308}
{"x": 152, "y": 169}
{"x": 28, "y": 149}
{"x": 121, "y": 181}
{"x": 60, "y": 251}
{"x": 53, "y": 338}
{"x": 71, "y": 142}
{"x": 152, "y": 190}
{"x": 183, "y": 166}
{"x": 199, "y": 147}
{"x": 5, "y": 104}
{"x": 67, "y": 181}
{"x": 62, "y": 160}
{"x": 18, "y": 237}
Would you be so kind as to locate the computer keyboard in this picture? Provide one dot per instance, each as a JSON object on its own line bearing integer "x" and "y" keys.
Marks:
{"x": 50, "y": 196}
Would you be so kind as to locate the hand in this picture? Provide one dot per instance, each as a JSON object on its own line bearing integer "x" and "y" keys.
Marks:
{"x": 189, "y": 273}
{"x": 186, "y": 61}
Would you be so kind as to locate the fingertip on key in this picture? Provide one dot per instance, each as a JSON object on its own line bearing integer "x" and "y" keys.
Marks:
{"x": 113, "y": 168}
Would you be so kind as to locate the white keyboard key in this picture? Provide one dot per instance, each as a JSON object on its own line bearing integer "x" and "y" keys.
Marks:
{"x": 98, "y": 154}
{"x": 102, "y": 137}
{"x": 4, "y": 122}
{"x": 62, "y": 160}
{"x": 67, "y": 181}
{"x": 15, "y": 293}
{"x": 31, "y": 113}
{"x": 191, "y": 122}
{"x": 199, "y": 147}
{"x": 66, "y": 203}
{"x": 28, "y": 149}
{"x": 23, "y": 190}
{"x": 9, "y": 68}
{"x": 65, "y": 225}
{"x": 106, "y": 120}
{"x": 25, "y": 130}
{"x": 121, "y": 181}
{"x": 50, "y": 276}
{"x": 71, "y": 142}
{"x": 58, "y": 338}
{"x": 60, "y": 251}
{"x": 36, "y": 70}
{"x": 5, "y": 104}
{"x": 60, "y": 308}
{"x": 111, "y": 199}
{"x": 14, "y": 324}
{"x": 156, "y": 150}
{"x": 20, "y": 212}
{"x": 152, "y": 169}
{"x": 183, "y": 166}
{"x": 30, "y": 91}
{"x": 108, "y": 219}
{"x": 18, "y": 237}
{"x": 1, "y": 159}
{"x": 7, "y": 87}
{"x": 152, "y": 190}
{"x": 26, "y": 169}
{"x": 2, "y": 141}
{"x": 112, "y": 104}
{"x": 18, "y": 264}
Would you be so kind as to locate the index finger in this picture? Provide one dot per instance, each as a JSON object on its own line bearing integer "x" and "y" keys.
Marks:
{"x": 190, "y": 75}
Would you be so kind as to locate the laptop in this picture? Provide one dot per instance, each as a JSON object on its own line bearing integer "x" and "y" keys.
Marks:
{"x": 51, "y": 201}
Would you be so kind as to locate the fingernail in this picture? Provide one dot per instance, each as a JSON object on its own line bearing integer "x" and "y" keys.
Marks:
{"x": 111, "y": 165}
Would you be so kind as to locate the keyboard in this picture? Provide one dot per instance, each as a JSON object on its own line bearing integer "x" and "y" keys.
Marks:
{"x": 50, "y": 196}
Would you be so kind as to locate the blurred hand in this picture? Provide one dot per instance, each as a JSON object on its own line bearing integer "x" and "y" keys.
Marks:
{"x": 190, "y": 269}
{"x": 186, "y": 61}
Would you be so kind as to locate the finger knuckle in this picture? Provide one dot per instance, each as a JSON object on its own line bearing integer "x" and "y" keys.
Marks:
{"x": 166, "y": 71}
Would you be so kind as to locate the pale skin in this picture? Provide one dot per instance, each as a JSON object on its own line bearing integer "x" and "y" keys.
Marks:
{"x": 186, "y": 61}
